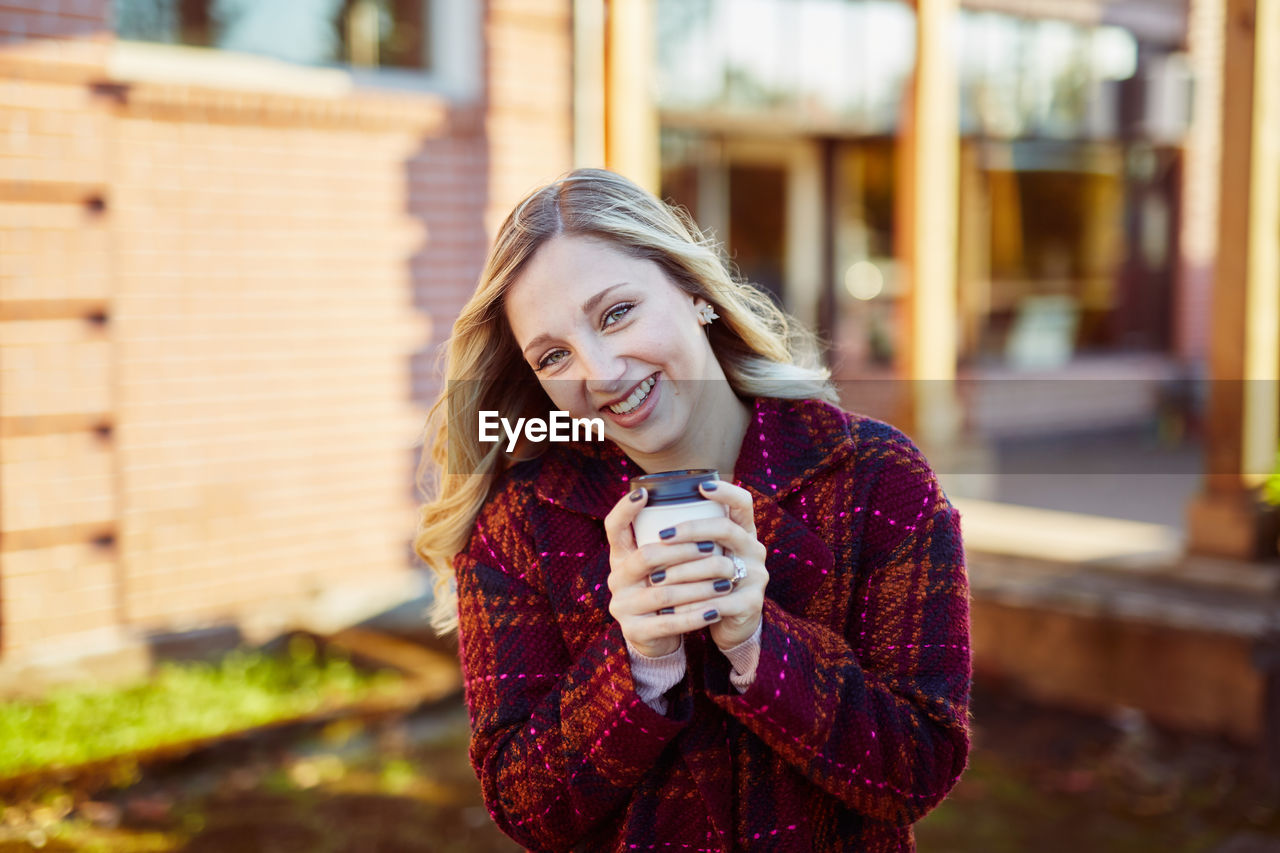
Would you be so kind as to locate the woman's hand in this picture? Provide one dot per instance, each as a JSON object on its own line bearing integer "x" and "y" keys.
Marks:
{"x": 664, "y": 590}
{"x": 740, "y": 609}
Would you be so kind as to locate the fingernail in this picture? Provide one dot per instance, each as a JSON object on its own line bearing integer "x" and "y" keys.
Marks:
{"x": 711, "y": 615}
{"x": 666, "y": 611}
{"x": 658, "y": 577}
{"x": 723, "y": 585}
{"x": 667, "y": 534}
{"x": 706, "y": 547}
{"x": 636, "y": 494}
{"x": 709, "y": 486}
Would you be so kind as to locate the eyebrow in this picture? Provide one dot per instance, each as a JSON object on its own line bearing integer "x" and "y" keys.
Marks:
{"x": 587, "y": 307}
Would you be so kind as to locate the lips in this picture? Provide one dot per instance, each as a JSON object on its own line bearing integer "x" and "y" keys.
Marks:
{"x": 633, "y": 400}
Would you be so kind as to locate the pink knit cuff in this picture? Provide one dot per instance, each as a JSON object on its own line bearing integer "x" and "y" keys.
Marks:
{"x": 655, "y": 676}
{"x": 744, "y": 657}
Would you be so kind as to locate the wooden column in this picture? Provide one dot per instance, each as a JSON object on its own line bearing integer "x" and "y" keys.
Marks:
{"x": 631, "y": 115}
{"x": 1244, "y": 350}
{"x": 928, "y": 192}
{"x": 589, "y": 36}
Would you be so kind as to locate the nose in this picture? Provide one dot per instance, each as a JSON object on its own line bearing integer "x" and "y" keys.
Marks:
{"x": 604, "y": 370}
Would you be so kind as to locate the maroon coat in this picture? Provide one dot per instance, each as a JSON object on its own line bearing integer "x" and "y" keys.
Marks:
{"x": 857, "y": 723}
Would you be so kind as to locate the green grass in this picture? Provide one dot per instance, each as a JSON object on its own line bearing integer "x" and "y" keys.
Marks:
{"x": 1271, "y": 488}
{"x": 181, "y": 702}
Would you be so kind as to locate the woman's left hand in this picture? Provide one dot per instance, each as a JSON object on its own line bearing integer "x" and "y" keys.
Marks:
{"x": 740, "y": 607}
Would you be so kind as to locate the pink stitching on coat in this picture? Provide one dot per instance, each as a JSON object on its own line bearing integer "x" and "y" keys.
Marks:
{"x": 587, "y": 595}
{"x": 618, "y": 709}
{"x": 767, "y": 468}
{"x": 634, "y": 723}
{"x": 866, "y": 600}
{"x": 669, "y": 844}
{"x": 924, "y": 502}
{"x": 763, "y": 712}
{"x": 545, "y": 761}
{"x": 496, "y": 559}
{"x": 773, "y": 832}
{"x": 809, "y": 563}
{"x": 928, "y": 646}
{"x": 505, "y": 675}
{"x": 866, "y": 605}
{"x": 912, "y": 526}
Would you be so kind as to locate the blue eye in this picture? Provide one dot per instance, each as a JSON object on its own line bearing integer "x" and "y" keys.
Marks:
{"x": 551, "y": 358}
{"x": 617, "y": 312}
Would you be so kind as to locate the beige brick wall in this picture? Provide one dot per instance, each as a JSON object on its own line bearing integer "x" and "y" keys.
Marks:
{"x": 56, "y": 479}
{"x": 523, "y": 138}
{"x": 211, "y": 384}
{"x": 54, "y": 367}
{"x": 527, "y": 85}
{"x": 57, "y": 476}
{"x": 51, "y": 251}
{"x": 264, "y": 328}
{"x": 51, "y": 593}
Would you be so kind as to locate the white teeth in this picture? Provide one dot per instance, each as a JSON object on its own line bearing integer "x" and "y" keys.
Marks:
{"x": 637, "y": 397}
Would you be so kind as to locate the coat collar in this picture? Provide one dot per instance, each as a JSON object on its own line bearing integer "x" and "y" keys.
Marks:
{"x": 786, "y": 443}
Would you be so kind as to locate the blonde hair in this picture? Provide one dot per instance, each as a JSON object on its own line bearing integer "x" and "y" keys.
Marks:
{"x": 762, "y": 351}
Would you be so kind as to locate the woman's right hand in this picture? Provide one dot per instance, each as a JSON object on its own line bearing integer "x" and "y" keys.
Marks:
{"x": 654, "y": 615}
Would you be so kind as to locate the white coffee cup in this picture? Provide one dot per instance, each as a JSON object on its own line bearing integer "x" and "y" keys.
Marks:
{"x": 673, "y": 497}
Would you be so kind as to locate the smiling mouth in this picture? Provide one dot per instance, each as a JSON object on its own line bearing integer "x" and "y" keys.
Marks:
{"x": 638, "y": 395}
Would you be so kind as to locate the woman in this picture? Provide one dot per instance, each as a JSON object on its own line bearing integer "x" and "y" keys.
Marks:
{"x": 805, "y": 690}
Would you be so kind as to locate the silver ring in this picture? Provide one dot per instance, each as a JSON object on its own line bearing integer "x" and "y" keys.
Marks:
{"x": 739, "y": 569}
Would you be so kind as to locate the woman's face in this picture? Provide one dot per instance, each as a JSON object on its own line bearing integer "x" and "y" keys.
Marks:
{"x": 611, "y": 336}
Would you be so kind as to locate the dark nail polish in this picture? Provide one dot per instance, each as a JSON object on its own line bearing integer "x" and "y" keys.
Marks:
{"x": 666, "y": 611}
{"x": 709, "y": 486}
{"x": 636, "y": 494}
{"x": 723, "y": 585}
{"x": 706, "y": 547}
{"x": 711, "y": 615}
{"x": 658, "y": 577}
{"x": 667, "y": 534}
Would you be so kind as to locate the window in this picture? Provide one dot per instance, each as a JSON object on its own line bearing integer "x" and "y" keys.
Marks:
{"x": 414, "y": 44}
{"x": 367, "y": 33}
{"x": 1026, "y": 78}
{"x": 839, "y": 61}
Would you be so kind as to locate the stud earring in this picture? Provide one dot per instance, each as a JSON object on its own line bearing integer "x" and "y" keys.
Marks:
{"x": 706, "y": 314}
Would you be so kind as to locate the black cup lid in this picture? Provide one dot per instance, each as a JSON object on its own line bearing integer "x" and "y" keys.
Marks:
{"x": 666, "y": 487}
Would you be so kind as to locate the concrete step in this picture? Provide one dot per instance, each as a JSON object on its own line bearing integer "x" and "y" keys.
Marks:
{"x": 1100, "y": 614}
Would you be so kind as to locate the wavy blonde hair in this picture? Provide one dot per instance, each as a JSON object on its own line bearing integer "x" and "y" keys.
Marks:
{"x": 762, "y": 351}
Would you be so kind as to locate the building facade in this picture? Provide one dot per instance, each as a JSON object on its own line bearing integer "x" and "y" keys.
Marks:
{"x": 230, "y": 245}
{"x": 781, "y": 124}
{"x": 1030, "y": 198}
{"x": 227, "y": 258}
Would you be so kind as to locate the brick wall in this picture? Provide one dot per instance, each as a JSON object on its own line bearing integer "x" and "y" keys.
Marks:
{"x": 465, "y": 185}
{"x": 22, "y": 21}
{"x": 57, "y": 466}
{"x": 218, "y": 318}
{"x": 524, "y": 89}
{"x": 263, "y": 325}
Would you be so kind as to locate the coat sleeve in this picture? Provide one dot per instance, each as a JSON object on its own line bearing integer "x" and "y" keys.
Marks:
{"x": 557, "y": 741}
{"x": 878, "y": 715}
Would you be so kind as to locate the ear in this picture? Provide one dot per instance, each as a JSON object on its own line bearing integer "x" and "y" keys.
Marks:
{"x": 704, "y": 312}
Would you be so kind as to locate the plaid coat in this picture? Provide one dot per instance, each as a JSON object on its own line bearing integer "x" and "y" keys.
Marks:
{"x": 857, "y": 723}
